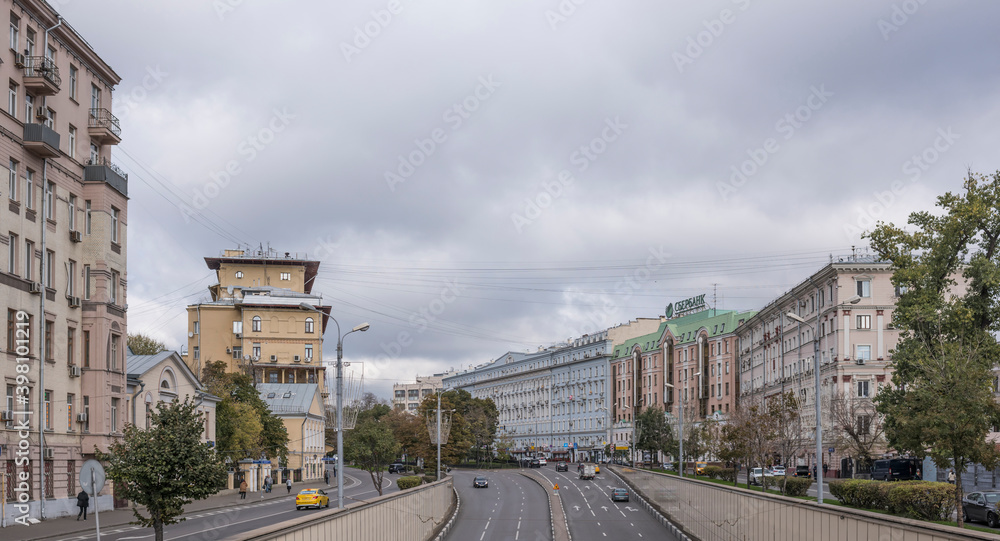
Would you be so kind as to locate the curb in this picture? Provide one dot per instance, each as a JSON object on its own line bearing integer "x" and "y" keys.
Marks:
{"x": 549, "y": 497}
{"x": 652, "y": 510}
{"x": 451, "y": 521}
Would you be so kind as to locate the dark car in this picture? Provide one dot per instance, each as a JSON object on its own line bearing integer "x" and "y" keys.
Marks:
{"x": 480, "y": 482}
{"x": 896, "y": 469}
{"x": 397, "y": 468}
{"x": 562, "y": 466}
{"x": 982, "y": 507}
{"x": 803, "y": 471}
{"x": 619, "y": 494}
{"x": 534, "y": 463}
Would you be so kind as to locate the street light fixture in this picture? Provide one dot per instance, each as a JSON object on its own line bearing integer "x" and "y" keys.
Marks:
{"x": 340, "y": 397}
{"x": 819, "y": 419}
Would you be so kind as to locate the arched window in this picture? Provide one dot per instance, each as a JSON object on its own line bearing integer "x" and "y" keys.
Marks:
{"x": 309, "y": 324}
{"x": 256, "y": 324}
{"x": 165, "y": 385}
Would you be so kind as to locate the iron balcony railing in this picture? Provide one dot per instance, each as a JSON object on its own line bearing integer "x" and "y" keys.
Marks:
{"x": 110, "y": 165}
{"x": 39, "y": 66}
{"x": 102, "y": 118}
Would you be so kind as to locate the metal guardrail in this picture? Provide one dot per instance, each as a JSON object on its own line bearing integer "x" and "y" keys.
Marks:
{"x": 102, "y": 118}
{"x": 39, "y": 66}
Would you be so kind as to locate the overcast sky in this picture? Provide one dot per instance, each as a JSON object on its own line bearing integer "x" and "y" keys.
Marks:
{"x": 478, "y": 177}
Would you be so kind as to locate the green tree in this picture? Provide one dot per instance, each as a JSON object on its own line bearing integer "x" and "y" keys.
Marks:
{"x": 654, "y": 433}
{"x": 245, "y": 427}
{"x": 164, "y": 467}
{"x": 141, "y": 344}
{"x": 786, "y": 419}
{"x": 941, "y": 403}
{"x": 473, "y": 426}
{"x": 371, "y": 445}
{"x": 734, "y": 440}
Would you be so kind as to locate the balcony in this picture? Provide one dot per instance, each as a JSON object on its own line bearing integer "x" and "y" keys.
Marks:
{"x": 105, "y": 171}
{"x": 41, "y": 76}
{"x": 103, "y": 127}
{"x": 41, "y": 140}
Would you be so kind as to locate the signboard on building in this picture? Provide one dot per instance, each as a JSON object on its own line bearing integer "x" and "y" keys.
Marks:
{"x": 687, "y": 305}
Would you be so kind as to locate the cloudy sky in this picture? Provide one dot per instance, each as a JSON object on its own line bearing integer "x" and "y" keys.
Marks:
{"x": 478, "y": 177}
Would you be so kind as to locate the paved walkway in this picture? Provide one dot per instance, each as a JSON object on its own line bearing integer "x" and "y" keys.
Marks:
{"x": 69, "y": 526}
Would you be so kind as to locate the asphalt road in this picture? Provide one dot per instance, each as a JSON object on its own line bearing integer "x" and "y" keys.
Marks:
{"x": 215, "y": 523}
{"x": 594, "y": 517}
{"x": 512, "y": 508}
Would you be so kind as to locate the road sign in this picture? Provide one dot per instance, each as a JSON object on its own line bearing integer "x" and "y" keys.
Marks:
{"x": 565, "y": 445}
{"x": 92, "y": 471}
{"x": 831, "y": 450}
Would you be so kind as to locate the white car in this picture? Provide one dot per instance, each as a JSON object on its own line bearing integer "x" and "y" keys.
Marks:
{"x": 757, "y": 475}
{"x": 778, "y": 471}
{"x": 541, "y": 461}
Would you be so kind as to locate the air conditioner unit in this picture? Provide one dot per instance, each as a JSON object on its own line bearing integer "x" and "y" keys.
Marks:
{"x": 36, "y": 287}
{"x": 239, "y": 336}
{"x": 274, "y": 358}
{"x": 297, "y": 359}
{"x": 75, "y": 371}
{"x": 76, "y": 236}
{"x": 860, "y": 361}
{"x": 49, "y": 453}
{"x": 81, "y": 418}
{"x": 309, "y": 359}
{"x": 890, "y": 327}
{"x": 228, "y": 350}
{"x": 6, "y": 415}
{"x": 41, "y": 113}
{"x": 19, "y": 61}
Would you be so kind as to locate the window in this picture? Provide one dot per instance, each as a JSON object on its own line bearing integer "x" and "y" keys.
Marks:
{"x": 863, "y": 389}
{"x": 309, "y": 324}
{"x": 864, "y": 288}
{"x": 71, "y": 278}
{"x": 72, "y": 83}
{"x": 286, "y": 276}
{"x": 86, "y": 413}
{"x": 114, "y": 415}
{"x": 86, "y": 218}
{"x": 50, "y": 265}
{"x": 72, "y": 141}
{"x": 272, "y": 377}
{"x": 50, "y": 194}
{"x": 864, "y": 353}
{"x": 86, "y": 349}
{"x": 114, "y": 352}
{"x": 29, "y": 257}
{"x": 12, "y": 254}
{"x": 114, "y": 287}
{"x": 15, "y": 29}
{"x": 29, "y": 192}
{"x": 864, "y": 322}
{"x": 48, "y": 410}
{"x": 727, "y": 388}
{"x": 86, "y": 282}
{"x": 29, "y": 107}
{"x": 95, "y": 97}
{"x": 255, "y": 324}
{"x": 50, "y": 53}
{"x": 239, "y": 274}
{"x": 29, "y": 45}
{"x": 864, "y": 424}
{"x": 70, "y": 343}
{"x": 237, "y": 327}
{"x": 309, "y": 351}
{"x": 12, "y": 100}
{"x": 196, "y": 353}
{"x": 72, "y": 211}
{"x": 900, "y": 290}
{"x": 50, "y": 118}
{"x": 256, "y": 351}
{"x": 237, "y": 352}
{"x": 94, "y": 154}
{"x": 70, "y": 399}
{"x": 10, "y": 403}
{"x": 49, "y": 354}
{"x": 291, "y": 378}
{"x": 11, "y": 330}
{"x": 114, "y": 225}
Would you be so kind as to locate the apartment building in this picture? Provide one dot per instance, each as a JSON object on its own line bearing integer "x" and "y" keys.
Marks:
{"x": 408, "y": 396}
{"x": 63, "y": 261}
{"x": 300, "y": 407}
{"x": 847, "y": 306}
{"x": 255, "y": 321}
{"x": 553, "y": 402}
{"x": 153, "y": 379}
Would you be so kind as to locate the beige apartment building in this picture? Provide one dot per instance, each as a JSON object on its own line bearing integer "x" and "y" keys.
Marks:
{"x": 851, "y": 302}
{"x": 64, "y": 245}
{"x": 301, "y": 409}
{"x": 254, "y": 321}
{"x": 408, "y": 396}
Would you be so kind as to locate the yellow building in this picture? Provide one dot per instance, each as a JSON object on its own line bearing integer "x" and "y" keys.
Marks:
{"x": 300, "y": 407}
{"x": 255, "y": 321}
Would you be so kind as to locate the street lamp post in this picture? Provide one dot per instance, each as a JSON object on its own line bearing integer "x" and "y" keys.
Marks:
{"x": 340, "y": 398}
{"x": 819, "y": 419}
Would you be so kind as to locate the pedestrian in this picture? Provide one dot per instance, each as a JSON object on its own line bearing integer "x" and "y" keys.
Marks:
{"x": 951, "y": 476}
{"x": 919, "y": 476}
{"x": 82, "y": 501}
{"x": 326, "y": 476}
{"x": 288, "y": 484}
{"x": 243, "y": 489}
{"x": 267, "y": 484}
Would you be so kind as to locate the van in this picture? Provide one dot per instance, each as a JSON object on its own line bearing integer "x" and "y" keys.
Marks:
{"x": 895, "y": 469}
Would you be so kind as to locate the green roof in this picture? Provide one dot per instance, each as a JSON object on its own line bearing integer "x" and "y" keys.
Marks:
{"x": 685, "y": 329}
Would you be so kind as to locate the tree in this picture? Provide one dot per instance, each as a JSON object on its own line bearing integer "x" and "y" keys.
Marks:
{"x": 654, "y": 433}
{"x": 759, "y": 432}
{"x": 941, "y": 403}
{"x": 245, "y": 427}
{"x": 462, "y": 441}
{"x": 734, "y": 441}
{"x": 857, "y": 427}
{"x": 164, "y": 467}
{"x": 371, "y": 444}
{"x": 141, "y": 344}
{"x": 786, "y": 419}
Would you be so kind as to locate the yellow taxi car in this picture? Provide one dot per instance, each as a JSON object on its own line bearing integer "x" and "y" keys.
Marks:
{"x": 699, "y": 468}
{"x": 597, "y": 469}
{"x": 312, "y": 497}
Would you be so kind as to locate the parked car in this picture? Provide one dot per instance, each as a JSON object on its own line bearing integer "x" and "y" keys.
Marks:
{"x": 312, "y": 497}
{"x": 534, "y": 463}
{"x": 757, "y": 476}
{"x": 562, "y": 466}
{"x": 803, "y": 471}
{"x": 480, "y": 482}
{"x": 699, "y": 468}
{"x": 982, "y": 507}
{"x": 542, "y": 461}
{"x": 619, "y": 494}
{"x": 397, "y": 468}
{"x": 778, "y": 471}
{"x": 895, "y": 469}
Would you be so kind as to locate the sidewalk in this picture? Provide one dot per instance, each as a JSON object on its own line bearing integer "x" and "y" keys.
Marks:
{"x": 112, "y": 520}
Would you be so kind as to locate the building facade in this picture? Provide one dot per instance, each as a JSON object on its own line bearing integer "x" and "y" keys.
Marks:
{"x": 63, "y": 279}
{"x": 553, "y": 402}
{"x": 850, "y": 302}
{"x": 408, "y": 396}
{"x": 300, "y": 408}
{"x": 164, "y": 377}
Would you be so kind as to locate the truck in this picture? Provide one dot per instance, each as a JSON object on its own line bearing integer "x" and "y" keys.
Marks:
{"x": 588, "y": 471}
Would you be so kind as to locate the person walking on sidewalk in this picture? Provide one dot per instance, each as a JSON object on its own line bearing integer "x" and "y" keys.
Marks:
{"x": 288, "y": 484}
{"x": 951, "y": 476}
{"x": 82, "y": 501}
{"x": 326, "y": 477}
{"x": 267, "y": 484}
{"x": 243, "y": 489}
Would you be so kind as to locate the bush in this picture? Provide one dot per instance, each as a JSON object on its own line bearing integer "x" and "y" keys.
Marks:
{"x": 862, "y": 494}
{"x": 836, "y": 488}
{"x": 713, "y": 472}
{"x": 418, "y": 471}
{"x": 408, "y": 482}
{"x": 429, "y": 478}
{"x": 796, "y": 486}
{"x": 728, "y": 474}
{"x": 922, "y": 500}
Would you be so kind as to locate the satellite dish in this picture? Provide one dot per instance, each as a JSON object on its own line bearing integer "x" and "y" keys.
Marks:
{"x": 190, "y": 335}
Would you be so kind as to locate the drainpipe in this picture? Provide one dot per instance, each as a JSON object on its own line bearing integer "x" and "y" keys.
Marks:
{"x": 302, "y": 461}
{"x": 41, "y": 343}
{"x": 142, "y": 385}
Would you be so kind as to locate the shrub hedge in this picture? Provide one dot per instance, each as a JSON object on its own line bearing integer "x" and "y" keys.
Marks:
{"x": 713, "y": 472}
{"x": 429, "y": 478}
{"x": 923, "y": 500}
{"x": 728, "y": 474}
{"x": 795, "y": 486}
{"x": 408, "y": 482}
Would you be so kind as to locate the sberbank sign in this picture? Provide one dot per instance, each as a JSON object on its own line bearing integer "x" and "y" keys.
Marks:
{"x": 686, "y": 305}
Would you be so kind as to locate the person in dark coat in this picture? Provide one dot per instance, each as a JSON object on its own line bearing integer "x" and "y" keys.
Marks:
{"x": 326, "y": 477}
{"x": 83, "y": 502}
